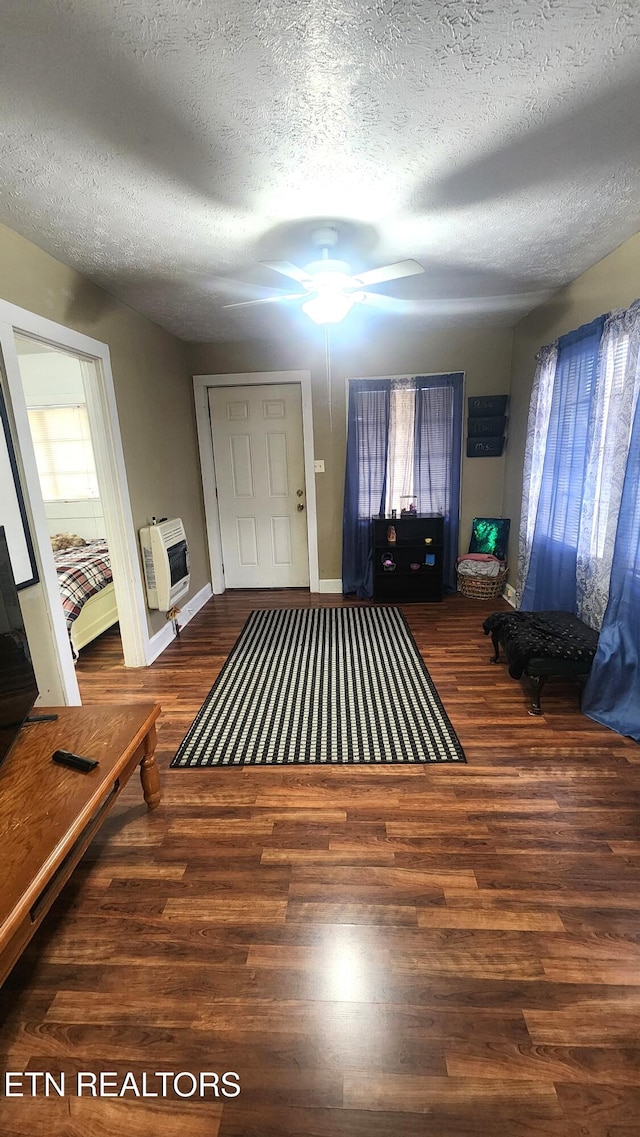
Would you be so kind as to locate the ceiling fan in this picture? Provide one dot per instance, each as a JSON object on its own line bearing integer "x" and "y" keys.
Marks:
{"x": 330, "y": 289}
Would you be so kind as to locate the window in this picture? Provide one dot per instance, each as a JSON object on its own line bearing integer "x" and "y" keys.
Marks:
{"x": 551, "y": 579}
{"x": 64, "y": 454}
{"x": 608, "y": 439}
{"x": 421, "y": 450}
{"x": 576, "y": 452}
{"x": 400, "y": 454}
{"x": 403, "y": 441}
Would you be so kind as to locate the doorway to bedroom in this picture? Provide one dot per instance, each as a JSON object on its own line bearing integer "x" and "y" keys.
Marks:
{"x": 55, "y": 393}
{"x": 40, "y": 598}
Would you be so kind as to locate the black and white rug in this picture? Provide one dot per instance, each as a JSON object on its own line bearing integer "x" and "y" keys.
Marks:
{"x": 325, "y": 685}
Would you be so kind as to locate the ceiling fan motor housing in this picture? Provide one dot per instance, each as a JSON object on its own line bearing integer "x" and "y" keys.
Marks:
{"x": 329, "y": 266}
{"x": 325, "y": 237}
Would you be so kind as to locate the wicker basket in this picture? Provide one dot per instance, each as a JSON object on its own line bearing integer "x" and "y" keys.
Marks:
{"x": 481, "y": 587}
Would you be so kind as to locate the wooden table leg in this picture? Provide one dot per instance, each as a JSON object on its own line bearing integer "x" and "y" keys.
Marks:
{"x": 149, "y": 775}
{"x": 537, "y": 683}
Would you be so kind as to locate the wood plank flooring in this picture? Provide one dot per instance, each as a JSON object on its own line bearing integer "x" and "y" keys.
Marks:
{"x": 388, "y": 952}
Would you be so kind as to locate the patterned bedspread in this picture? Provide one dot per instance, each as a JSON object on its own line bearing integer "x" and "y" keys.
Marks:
{"x": 82, "y": 572}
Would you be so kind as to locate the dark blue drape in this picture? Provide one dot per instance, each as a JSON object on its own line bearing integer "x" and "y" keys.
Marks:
{"x": 365, "y": 480}
{"x": 438, "y": 436}
{"x": 612, "y": 693}
{"x": 551, "y": 580}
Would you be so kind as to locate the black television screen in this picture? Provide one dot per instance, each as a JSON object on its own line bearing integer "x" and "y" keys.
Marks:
{"x": 18, "y": 689}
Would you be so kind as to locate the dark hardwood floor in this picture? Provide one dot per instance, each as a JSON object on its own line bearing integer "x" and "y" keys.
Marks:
{"x": 388, "y": 952}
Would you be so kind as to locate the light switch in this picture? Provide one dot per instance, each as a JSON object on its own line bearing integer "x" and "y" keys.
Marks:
{"x": 318, "y": 466}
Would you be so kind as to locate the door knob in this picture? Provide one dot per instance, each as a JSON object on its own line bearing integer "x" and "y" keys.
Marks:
{"x": 300, "y": 507}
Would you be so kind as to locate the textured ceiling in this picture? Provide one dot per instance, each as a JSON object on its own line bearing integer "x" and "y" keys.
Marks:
{"x": 164, "y": 147}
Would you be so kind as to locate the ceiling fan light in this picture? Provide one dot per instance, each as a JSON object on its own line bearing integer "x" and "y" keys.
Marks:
{"x": 328, "y": 307}
{"x": 330, "y": 278}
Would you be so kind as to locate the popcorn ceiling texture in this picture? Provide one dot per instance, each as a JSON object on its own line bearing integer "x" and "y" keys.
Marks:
{"x": 164, "y": 147}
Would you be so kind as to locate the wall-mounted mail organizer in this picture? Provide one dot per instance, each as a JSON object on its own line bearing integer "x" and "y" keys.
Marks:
{"x": 486, "y": 425}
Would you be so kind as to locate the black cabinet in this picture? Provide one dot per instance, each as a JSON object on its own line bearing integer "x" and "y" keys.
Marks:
{"x": 409, "y": 568}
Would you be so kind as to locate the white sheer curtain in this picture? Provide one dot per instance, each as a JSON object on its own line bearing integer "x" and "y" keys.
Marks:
{"x": 537, "y": 430}
{"x": 613, "y": 407}
{"x": 400, "y": 464}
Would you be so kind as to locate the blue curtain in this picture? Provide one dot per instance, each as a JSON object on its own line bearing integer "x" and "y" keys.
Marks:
{"x": 365, "y": 480}
{"x": 551, "y": 580}
{"x": 438, "y": 436}
{"x": 612, "y": 693}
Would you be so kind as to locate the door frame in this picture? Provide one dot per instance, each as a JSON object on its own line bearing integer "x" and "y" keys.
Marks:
{"x": 201, "y": 385}
{"x": 112, "y": 479}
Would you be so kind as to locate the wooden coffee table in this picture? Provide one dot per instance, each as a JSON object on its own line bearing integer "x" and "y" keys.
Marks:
{"x": 50, "y": 813}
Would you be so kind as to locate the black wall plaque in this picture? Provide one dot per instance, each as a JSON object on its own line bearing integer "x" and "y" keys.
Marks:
{"x": 491, "y": 425}
{"x": 486, "y": 425}
{"x": 484, "y": 447}
{"x": 484, "y": 405}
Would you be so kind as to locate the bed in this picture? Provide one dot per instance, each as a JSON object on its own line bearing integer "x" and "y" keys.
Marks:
{"x": 86, "y": 588}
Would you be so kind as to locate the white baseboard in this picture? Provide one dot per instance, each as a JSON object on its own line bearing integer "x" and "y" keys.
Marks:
{"x": 193, "y": 606}
{"x": 159, "y": 642}
{"x": 330, "y": 586}
{"x": 509, "y": 594}
{"x": 166, "y": 635}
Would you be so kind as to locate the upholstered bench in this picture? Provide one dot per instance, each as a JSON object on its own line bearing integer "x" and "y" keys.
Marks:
{"x": 541, "y": 645}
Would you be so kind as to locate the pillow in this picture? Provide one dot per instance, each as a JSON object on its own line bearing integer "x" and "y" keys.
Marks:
{"x": 66, "y": 541}
{"x": 490, "y": 535}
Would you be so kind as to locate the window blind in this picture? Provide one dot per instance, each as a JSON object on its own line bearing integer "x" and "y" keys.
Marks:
{"x": 64, "y": 454}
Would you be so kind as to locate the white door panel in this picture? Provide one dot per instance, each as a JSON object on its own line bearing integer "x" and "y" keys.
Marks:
{"x": 281, "y": 541}
{"x": 277, "y": 465}
{"x": 259, "y": 462}
{"x": 241, "y": 465}
{"x": 247, "y": 542}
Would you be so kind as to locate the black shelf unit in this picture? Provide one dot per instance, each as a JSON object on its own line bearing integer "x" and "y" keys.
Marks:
{"x": 419, "y": 541}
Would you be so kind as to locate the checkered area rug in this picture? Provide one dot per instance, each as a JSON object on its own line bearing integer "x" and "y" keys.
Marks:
{"x": 321, "y": 685}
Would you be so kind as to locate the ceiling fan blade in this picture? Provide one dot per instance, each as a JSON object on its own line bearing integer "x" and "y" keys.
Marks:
{"x": 385, "y": 303}
{"x": 267, "y": 300}
{"x": 387, "y": 272}
{"x": 288, "y": 269}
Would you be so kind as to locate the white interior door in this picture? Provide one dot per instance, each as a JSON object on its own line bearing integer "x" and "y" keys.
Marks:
{"x": 259, "y": 463}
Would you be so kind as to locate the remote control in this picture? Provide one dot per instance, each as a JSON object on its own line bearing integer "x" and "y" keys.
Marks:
{"x": 66, "y": 758}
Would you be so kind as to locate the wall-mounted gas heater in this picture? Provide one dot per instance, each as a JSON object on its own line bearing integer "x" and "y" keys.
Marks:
{"x": 165, "y": 557}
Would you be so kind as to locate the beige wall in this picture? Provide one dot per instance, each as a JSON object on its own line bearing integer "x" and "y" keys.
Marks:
{"x": 612, "y": 283}
{"x": 152, "y": 385}
{"x": 393, "y": 348}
